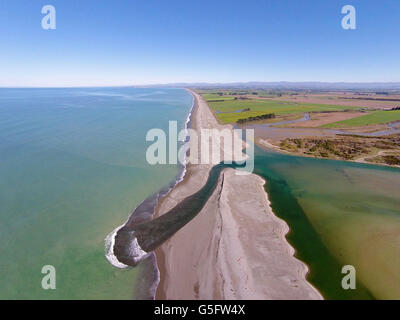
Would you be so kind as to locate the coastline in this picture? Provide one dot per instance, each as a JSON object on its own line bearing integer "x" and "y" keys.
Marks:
{"x": 188, "y": 172}
{"x": 242, "y": 252}
{"x": 145, "y": 211}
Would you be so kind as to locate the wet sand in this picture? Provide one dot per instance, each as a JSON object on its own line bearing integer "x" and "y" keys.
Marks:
{"x": 235, "y": 248}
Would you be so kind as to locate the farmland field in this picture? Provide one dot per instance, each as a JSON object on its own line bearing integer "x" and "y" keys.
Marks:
{"x": 214, "y": 96}
{"x": 377, "y": 117}
{"x": 260, "y": 107}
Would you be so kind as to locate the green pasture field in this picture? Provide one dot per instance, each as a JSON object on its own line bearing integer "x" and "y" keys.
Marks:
{"x": 214, "y": 96}
{"x": 231, "y": 94}
{"x": 377, "y": 117}
{"x": 260, "y": 107}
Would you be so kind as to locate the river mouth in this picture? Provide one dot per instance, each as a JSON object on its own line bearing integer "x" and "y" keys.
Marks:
{"x": 323, "y": 218}
{"x": 141, "y": 236}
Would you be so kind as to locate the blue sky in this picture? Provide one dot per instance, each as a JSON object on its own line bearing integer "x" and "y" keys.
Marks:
{"x": 124, "y": 42}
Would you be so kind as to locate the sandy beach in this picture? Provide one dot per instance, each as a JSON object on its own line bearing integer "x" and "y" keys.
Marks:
{"x": 235, "y": 248}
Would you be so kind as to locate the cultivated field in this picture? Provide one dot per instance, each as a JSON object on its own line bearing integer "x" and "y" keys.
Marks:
{"x": 377, "y": 117}
{"x": 362, "y": 100}
{"x": 353, "y": 112}
{"x": 230, "y": 111}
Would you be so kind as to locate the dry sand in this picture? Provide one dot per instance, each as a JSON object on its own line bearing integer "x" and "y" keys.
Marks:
{"x": 235, "y": 248}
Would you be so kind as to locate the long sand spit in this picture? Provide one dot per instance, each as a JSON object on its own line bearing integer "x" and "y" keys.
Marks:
{"x": 235, "y": 248}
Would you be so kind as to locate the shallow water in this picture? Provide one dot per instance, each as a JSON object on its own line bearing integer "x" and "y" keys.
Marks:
{"x": 72, "y": 167}
{"x": 340, "y": 213}
{"x": 147, "y": 235}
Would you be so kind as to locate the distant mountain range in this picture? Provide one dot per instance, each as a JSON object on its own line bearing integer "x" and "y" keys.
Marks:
{"x": 289, "y": 85}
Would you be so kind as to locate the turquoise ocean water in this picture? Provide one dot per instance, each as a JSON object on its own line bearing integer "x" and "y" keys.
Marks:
{"x": 72, "y": 168}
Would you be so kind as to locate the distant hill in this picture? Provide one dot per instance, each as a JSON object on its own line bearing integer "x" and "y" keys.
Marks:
{"x": 289, "y": 85}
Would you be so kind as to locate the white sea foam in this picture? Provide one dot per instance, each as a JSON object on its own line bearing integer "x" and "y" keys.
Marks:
{"x": 137, "y": 254}
{"x": 188, "y": 119}
{"x": 136, "y": 251}
{"x": 109, "y": 244}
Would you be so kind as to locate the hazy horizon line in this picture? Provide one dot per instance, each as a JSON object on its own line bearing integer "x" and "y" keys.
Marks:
{"x": 211, "y": 84}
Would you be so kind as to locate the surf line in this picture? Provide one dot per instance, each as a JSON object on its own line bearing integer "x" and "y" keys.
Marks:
{"x": 145, "y": 211}
{"x": 134, "y": 241}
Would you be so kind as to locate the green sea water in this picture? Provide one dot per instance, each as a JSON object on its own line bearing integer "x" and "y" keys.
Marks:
{"x": 340, "y": 213}
{"x": 72, "y": 168}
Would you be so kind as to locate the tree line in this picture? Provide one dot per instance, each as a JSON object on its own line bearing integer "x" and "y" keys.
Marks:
{"x": 256, "y": 118}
